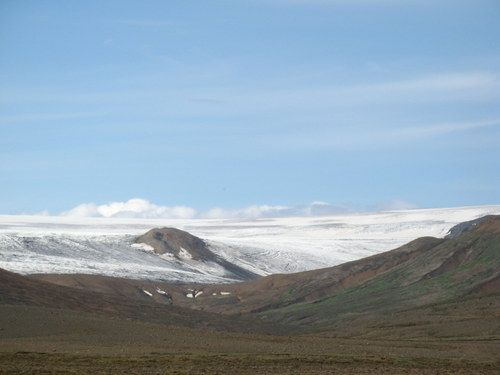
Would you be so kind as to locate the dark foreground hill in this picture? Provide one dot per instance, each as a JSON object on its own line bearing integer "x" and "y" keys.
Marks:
{"x": 431, "y": 286}
{"x": 31, "y": 293}
{"x": 431, "y": 306}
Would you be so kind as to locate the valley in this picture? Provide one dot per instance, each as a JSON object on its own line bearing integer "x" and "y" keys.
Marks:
{"x": 429, "y": 306}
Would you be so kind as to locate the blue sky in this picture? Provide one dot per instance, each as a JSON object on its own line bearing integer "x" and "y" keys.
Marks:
{"x": 363, "y": 104}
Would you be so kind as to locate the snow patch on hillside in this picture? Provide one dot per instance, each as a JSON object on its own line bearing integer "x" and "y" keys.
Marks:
{"x": 184, "y": 254}
{"x": 143, "y": 247}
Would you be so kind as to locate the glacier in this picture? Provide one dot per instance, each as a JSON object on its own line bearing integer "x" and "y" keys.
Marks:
{"x": 61, "y": 244}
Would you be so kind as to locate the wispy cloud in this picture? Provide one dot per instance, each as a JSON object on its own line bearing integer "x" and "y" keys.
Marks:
{"x": 415, "y": 132}
{"x": 373, "y": 136}
{"x": 255, "y": 211}
{"x": 148, "y": 23}
{"x": 462, "y": 86}
{"x": 445, "y": 81}
{"x": 395, "y": 205}
{"x": 30, "y": 117}
{"x": 444, "y": 87}
{"x": 338, "y": 2}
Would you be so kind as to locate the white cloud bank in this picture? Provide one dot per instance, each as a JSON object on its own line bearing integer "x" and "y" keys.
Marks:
{"x": 133, "y": 208}
{"x": 142, "y": 208}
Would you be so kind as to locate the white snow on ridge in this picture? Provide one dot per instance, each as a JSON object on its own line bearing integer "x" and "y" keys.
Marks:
{"x": 184, "y": 254}
{"x": 41, "y": 244}
{"x": 143, "y": 247}
{"x": 106, "y": 255}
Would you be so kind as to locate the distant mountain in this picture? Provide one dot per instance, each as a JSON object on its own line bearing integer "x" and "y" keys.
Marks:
{"x": 188, "y": 248}
{"x": 176, "y": 242}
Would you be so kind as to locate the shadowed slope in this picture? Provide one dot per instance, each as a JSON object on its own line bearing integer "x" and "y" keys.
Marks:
{"x": 22, "y": 290}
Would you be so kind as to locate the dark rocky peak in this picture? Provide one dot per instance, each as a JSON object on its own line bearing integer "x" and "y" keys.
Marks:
{"x": 485, "y": 222}
{"x": 176, "y": 242}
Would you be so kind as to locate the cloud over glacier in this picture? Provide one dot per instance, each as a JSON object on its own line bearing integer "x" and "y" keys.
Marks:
{"x": 142, "y": 208}
{"x": 317, "y": 208}
{"x": 133, "y": 208}
{"x": 255, "y": 211}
